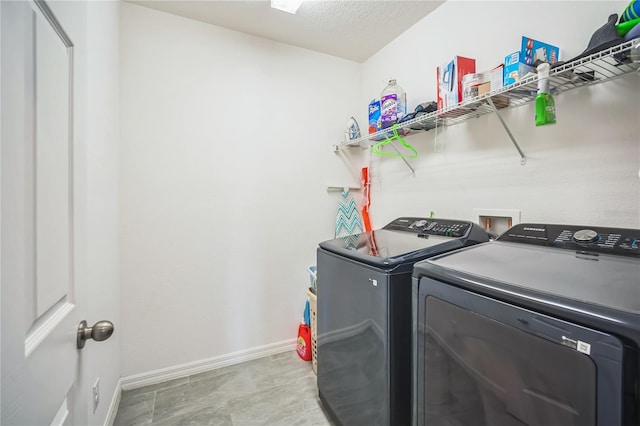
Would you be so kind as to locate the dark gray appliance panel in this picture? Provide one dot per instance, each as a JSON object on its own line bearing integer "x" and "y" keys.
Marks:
{"x": 364, "y": 316}
{"x": 387, "y": 248}
{"x": 599, "y": 279}
{"x": 537, "y": 373}
{"x": 353, "y": 372}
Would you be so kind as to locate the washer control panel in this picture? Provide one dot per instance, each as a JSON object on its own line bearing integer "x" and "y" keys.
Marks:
{"x": 430, "y": 226}
{"x": 618, "y": 241}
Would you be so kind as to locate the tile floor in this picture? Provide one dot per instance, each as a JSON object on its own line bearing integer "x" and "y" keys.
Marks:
{"x": 275, "y": 390}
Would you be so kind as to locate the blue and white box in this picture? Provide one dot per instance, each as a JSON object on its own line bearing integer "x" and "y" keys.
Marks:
{"x": 534, "y": 50}
{"x": 515, "y": 68}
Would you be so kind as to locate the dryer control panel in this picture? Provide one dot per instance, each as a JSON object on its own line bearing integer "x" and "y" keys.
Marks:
{"x": 430, "y": 226}
{"x": 619, "y": 241}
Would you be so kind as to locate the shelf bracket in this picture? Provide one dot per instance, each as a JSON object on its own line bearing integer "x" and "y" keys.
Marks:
{"x": 523, "y": 158}
{"x": 413, "y": 172}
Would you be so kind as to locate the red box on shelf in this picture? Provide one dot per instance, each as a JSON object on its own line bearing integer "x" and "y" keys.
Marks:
{"x": 449, "y": 88}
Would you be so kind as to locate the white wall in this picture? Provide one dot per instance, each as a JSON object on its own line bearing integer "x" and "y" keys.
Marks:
{"x": 583, "y": 170}
{"x": 225, "y": 157}
{"x": 103, "y": 249}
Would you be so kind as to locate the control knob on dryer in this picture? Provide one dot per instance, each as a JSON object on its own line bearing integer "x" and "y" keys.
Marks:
{"x": 585, "y": 236}
{"x": 418, "y": 224}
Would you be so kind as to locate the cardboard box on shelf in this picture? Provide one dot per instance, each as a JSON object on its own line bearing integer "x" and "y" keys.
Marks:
{"x": 497, "y": 77}
{"x": 449, "y": 89}
{"x": 519, "y": 64}
{"x": 470, "y": 84}
{"x": 534, "y": 50}
{"x": 484, "y": 88}
{"x": 515, "y": 68}
{"x": 500, "y": 101}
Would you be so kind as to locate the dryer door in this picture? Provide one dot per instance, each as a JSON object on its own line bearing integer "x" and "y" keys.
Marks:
{"x": 481, "y": 361}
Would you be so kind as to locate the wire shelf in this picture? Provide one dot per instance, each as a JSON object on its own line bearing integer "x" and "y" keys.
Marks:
{"x": 597, "y": 68}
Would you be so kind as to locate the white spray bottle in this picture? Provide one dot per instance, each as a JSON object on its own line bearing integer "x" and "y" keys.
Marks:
{"x": 545, "y": 105}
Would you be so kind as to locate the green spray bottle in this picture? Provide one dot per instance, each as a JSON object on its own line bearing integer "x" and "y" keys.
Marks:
{"x": 545, "y": 105}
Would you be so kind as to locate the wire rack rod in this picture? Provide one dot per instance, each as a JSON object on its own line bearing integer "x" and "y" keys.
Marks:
{"x": 594, "y": 69}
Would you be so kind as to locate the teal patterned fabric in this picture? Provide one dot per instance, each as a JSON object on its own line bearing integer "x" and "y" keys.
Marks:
{"x": 348, "y": 222}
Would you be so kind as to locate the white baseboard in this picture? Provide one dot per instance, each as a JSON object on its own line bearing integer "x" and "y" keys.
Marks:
{"x": 113, "y": 407}
{"x": 195, "y": 367}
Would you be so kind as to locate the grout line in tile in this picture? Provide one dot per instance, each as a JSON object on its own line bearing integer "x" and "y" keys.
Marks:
{"x": 302, "y": 376}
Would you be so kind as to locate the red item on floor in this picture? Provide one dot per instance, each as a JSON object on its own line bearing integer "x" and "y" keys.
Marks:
{"x": 304, "y": 342}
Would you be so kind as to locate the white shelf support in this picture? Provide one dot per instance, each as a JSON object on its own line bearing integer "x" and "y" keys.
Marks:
{"x": 523, "y": 158}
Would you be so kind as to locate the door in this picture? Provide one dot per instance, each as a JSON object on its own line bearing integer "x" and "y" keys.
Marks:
{"x": 39, "y": 224}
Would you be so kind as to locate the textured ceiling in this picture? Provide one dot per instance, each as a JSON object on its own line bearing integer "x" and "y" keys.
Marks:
{"x": 350, "y": 29}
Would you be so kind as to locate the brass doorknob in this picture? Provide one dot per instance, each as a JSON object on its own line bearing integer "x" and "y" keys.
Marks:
{"x": 100, "y": 331}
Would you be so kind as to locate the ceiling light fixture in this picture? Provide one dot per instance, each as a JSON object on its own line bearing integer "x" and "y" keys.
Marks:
{"x": 289, "y": 6}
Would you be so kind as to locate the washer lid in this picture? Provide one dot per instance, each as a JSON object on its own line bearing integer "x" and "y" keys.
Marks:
{"x": 385, "y": 247}
{"x": 607, "y": 280}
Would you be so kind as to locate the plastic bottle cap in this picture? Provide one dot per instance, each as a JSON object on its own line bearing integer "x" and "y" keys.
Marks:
{"x": 543, "y": 78}
{"x": 543, "y": 70}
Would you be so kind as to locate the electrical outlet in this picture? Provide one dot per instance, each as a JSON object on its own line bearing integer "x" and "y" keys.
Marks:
{"x": 96, "y": 395}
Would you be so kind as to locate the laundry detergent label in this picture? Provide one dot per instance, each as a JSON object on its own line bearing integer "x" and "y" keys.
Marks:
{"x": 302, "y": 347}
{"x": 304, "y": 342}
{"x": 375, "y": 123}
{"x": 389, "y": 108}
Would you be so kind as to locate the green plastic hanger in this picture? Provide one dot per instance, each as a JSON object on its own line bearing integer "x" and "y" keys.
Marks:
{"x": 389, "y": 139}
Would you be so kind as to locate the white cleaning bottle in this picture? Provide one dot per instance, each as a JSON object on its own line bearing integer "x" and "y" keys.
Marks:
{"x": 545, "y": 105}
